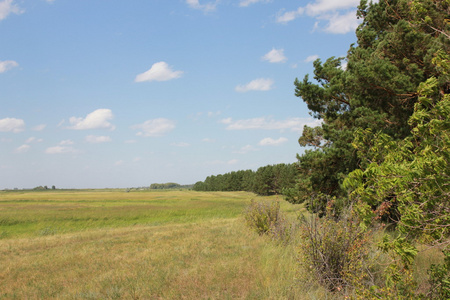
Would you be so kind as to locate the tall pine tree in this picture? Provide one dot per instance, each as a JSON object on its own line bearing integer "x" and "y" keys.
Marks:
{"x": 377, "y": 90}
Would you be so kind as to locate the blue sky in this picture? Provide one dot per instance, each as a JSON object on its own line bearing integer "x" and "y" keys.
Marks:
{"x": 98, "y": 93}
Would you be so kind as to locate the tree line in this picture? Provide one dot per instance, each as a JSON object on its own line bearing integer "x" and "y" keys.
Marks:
{"x": 268, "y": 180}
{"x": 168, "y": 186}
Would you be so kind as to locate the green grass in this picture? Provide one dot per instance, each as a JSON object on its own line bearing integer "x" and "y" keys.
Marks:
{"x": 139, "y": 245}
{"x": 27, "y": 214}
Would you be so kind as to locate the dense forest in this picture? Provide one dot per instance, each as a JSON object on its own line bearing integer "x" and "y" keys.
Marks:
{"x": 268, "y": 180}
{"x": 379, "y": 163}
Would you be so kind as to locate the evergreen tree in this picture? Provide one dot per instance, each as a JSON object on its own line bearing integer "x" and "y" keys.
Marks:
{"x": 377, "y": 90}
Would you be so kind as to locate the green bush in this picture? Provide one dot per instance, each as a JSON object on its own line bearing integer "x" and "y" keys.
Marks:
{"x": 337, "y": 252}
{"x": 265, "y": 217}
{"x": 440, "y": 279}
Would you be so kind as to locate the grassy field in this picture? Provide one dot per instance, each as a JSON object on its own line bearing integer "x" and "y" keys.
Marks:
{"x": 109, "y": 244}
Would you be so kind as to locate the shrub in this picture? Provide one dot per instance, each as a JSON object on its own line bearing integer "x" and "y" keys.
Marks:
{"x": 337, "y": 252}
{"x": 440, "y": 279}
{"x": 265, "y": 217}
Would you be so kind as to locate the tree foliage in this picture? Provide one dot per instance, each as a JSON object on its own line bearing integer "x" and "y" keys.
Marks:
{"x": 267, "y": 180}
{"x": 376, "y": 90}
{"x": 384, "y": 143}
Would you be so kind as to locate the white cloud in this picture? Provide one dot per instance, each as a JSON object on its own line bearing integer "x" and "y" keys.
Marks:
{"x": 119, "y": 163}
{"x": 39, "y": 127}
{"x": 204, "y": 7}
{"x": 260, "y": 84}
{"x": 98, "y": 119}
{"x": 97, "y": 139}
{"x": 311, "y": 58}
{"x": 245, "y": 3}
{"x": 155, "y": 127}
{"x": 7, "y": 7}
{"x": 213, "y": 114}
{"x": 60, "y": 150}
{"x": 341, "y": 24}
{"x": 7, "y": 65}
{"x": 246, "y": 149}
{"x": 208, "y": 140}
{"x": 324, "y": 6}
{"x": 289, "y": 15}
{"x": 272, "y": 142}
{"x": 22, "y": 149}
{"x": 12, "y": 125}
{"x": 293, "y": 124}
{"x": 66, "y": 142}
{"x": 180, "y": 144}
{"x": 336, "y": 13}
{"x": 33, "y": 140}
{"x": 275, "y": 56}
{"x": 159, "y": 71}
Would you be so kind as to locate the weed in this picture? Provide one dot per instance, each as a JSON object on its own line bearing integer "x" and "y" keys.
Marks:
{"x": 265, "y": 217}
{"x": 336, "y": 251}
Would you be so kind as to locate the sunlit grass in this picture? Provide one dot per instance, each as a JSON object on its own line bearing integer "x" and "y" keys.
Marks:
{"x": 24, "y": 214}
{"x": 139, "y": 245}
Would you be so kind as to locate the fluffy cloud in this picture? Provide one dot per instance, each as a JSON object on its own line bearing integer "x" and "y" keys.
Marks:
{"x": 155, "y": 127}
{"x": 204, "y": 7}
{"x": 7, "y": 65}
{"x": 97, "y": 139}
{"x": 341, "y": 24}
{"x": 22, "y": 149}
{"x": 275, "y": 56}
{"x": 246, "y": 149}
{"x": 60, "y": 150}
{"x": 294, "y": 124}
{"x": 336, "y": 13}
{"x": 12, "y": 125}
{"x": 245, "y": 3}
{"x": 33, "y": 140}
{"x": 7, "y": 7}
{"x": 260, "y": 84}
{"x": 98, "y": 119}
{"x": 311, "y": 58}
{"x": 39, "y": 127}
{"x": 289, "y": 15}
{"x": 159, "y": 71}
{"x": 272, "y": 142}
{"x": 66, "y": 142}
{"x": 324, "y": 6}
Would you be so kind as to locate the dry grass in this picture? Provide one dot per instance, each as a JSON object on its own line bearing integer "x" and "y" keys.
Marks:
{"x": 210, "y": 256}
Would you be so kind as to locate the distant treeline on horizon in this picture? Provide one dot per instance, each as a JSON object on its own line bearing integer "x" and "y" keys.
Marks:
{"x": 169, "y": 185}
{"x": 277, "y": 179}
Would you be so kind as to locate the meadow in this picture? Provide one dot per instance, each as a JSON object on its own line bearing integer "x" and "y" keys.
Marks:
{"x": 113, "y": 244}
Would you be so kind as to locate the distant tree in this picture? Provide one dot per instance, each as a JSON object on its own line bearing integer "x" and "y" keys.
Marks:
{"x": 162, "y": 186}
